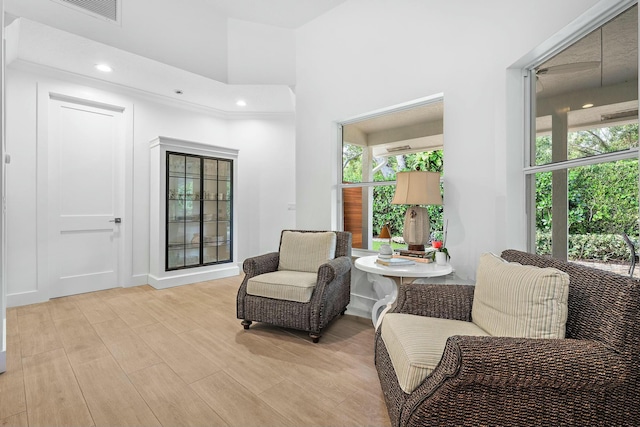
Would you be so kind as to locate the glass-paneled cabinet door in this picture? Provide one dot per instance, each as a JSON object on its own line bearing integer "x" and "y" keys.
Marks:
{"x": 192, "y": 211}
{"x": 176, "y": 212}
{"x": 199, "y": 210}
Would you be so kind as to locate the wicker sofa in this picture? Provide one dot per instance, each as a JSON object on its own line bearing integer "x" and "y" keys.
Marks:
{"x": 589, "y": 378}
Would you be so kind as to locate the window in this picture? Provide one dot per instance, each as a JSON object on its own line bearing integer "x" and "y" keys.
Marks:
{"x": 374, "y": 148}
{"x": 582, "y": 173}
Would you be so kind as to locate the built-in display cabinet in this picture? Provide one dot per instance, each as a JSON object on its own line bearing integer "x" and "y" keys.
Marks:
{"x": 192, "y": 210}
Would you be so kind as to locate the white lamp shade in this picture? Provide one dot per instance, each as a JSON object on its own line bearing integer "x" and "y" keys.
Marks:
{"x": 417, "y": 188}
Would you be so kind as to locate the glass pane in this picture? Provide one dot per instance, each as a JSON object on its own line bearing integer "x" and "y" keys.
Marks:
{"x": 193, "y": 167}
{"x": 586, "y": 100}
{"x": 543, "y": 185}
{"x": 376, "y": 148}
{"x": 602, "y": 202}
{"x": 384, "y": 168}
{"x": 176, "y": 164}
{"x": 224, "y": 169}
{"x": 210, "y": 168}
{"x": 176, "y": 257}
{"x": 372, "y": 205}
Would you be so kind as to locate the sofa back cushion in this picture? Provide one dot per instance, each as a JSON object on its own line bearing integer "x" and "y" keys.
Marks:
{"x": 515, "y": 300}
{"x": 306, "y": 251}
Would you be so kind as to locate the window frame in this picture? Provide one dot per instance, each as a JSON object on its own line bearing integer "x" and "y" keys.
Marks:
{"x": 590, "y": 21}
{"x": 339, "y": 211}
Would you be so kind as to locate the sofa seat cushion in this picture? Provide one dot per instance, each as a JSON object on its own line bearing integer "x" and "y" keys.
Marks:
{"x": 523, "y": 301}
{"x": 306, "y": 251}
{"x": 415, "y": 344}
{"x": 287, "y": 285}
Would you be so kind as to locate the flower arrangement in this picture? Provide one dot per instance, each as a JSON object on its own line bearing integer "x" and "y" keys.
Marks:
{"x": 440, "y": 245}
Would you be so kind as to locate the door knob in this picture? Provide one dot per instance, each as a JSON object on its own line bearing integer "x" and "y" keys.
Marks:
{"x": 116, "y": 220}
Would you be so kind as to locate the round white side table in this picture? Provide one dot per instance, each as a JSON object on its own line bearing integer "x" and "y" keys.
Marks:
{"x": 384, "y": 284}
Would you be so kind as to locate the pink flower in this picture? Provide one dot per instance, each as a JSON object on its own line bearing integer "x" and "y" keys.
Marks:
{"x": 436, "y": 244}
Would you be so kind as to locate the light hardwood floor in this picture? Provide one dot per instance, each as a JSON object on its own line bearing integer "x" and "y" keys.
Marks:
{"x": 140, "y": 356}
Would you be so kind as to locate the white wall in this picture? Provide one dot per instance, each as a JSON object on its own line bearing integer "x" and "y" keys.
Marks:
{"x": 363, "y": 56}
{"x": 265, "y": 170}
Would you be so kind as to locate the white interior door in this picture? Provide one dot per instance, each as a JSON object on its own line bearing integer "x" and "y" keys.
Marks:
{"x": 85, "y": 196}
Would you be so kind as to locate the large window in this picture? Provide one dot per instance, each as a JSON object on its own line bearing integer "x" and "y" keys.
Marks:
{"x": 374, "y": 149}
{"x": 582, "y": 175}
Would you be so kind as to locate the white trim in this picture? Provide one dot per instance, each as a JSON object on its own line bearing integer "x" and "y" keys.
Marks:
{"x": 438, "y": 97}
{"x": 221, "y": 271}
{"x": 79, "y": 79}
{"x": 26, "y": 298}
{"x": 631, "y": 153}
{"x": 3, "y": 205}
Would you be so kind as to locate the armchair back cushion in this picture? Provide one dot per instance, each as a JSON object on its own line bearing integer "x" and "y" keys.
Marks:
{"x": 523, "y": 301}
{"x": 306, "y": 251}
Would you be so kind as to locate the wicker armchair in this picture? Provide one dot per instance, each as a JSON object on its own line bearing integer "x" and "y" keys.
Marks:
{"x": 590, "y": 378}
{"x": 329, "y": 298}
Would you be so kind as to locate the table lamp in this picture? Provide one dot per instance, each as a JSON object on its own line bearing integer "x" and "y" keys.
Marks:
{"x": 417, "y": 188}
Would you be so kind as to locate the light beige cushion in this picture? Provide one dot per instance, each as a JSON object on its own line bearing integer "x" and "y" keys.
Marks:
{"x": 415, "y": 344}
{"x": 288, "y": 285}
{"x": 514, "y": 300}
{"x": 306, "y": 251}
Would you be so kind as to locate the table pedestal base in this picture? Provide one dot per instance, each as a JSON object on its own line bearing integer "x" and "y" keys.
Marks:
{"x": 387, "y": 290}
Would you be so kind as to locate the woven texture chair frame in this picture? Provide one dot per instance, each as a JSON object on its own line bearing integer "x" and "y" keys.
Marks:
{"x": 329, "y": 299}
{"x": 590, "y": 378}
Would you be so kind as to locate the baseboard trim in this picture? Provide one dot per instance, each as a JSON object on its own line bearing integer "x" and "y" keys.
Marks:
{"x": 26, "y": 298}
{"x": 189, "y": 278}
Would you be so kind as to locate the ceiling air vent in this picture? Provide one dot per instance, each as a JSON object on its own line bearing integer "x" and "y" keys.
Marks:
{"x": 620, "y": 115}
{"x": 106, "y": 9}
{"x": 400, "y": 148}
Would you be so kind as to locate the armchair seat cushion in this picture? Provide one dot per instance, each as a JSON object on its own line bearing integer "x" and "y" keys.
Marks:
{"x": 285, "y": 285}
{"x": 415, "y": 344}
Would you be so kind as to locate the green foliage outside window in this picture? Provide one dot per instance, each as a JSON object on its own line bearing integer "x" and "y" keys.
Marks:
{"x": 383, "y": 211}
{"x": 603, "y": 198}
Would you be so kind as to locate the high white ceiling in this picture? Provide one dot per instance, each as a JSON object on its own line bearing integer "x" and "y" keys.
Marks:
{"x": 280, "y": 13}
{"x": 193, "y": 35}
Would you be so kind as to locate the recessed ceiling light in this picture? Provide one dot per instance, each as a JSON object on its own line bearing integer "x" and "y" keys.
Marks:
{"x": 587, "y": 106}
{"x": 104, "y": 68}
{"x": 241, "y": 103}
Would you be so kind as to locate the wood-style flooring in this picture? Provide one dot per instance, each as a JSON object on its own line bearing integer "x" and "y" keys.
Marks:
{"x": 179, "y": 357}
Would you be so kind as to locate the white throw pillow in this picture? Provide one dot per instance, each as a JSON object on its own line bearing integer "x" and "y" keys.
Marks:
{"x": 515, "y": 300}
{"x": 306, "y": 251}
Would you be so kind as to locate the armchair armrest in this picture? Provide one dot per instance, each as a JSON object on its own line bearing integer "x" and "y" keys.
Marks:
{"x": 533, "y": 372}
{"x": 334, "y": 268}
{"x": 444, "y": 301}
{"x": 531, "y": 363}
{"x": 261, "y": 264}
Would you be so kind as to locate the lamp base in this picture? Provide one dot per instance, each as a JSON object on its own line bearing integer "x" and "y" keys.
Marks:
{"x": 416, "y": 228}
